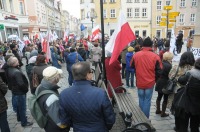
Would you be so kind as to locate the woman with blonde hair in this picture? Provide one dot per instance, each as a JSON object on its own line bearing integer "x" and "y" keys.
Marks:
{"x": 162, "y": 82}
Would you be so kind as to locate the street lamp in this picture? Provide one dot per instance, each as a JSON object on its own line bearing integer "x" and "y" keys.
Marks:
{"x": 92, "y": 15}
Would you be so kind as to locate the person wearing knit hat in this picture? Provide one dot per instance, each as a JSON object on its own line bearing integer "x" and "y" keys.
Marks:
{"x": 148, "y": 67}
{"x": 129, "y": 70}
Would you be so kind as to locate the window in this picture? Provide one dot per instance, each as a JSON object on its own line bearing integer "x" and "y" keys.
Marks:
{"x": 82, "y": 14}
{"x": 82, "y": 1}
{"x": 159, "y": 5}
{"x": 3, "y": 5}
{"x": 182, "y": 3}
{"x": 194, "y": 2}
{"x": 21, "y": 7}
{"x": 144, "y": 12}
{"x": 158, "y": 18}
{"x": 112, "y": 1}
{"x": 129, "y": 1}
{"x": 137, "y": 33}
{"x": 181, "y": 19}
{"x": 104, "y": 13}
{"x": 137, "y": 1}
{"x": 192, "y": 18}
{"x": 92, "y": 1}
{"x": 137, "y": 12}
{"x": 144, "y": 33}
{"x": 111, "y": 32}
{"x": 11, "y": 6}
{"x": 158, "y": 33}
{"x": 168, "y": 2}
{"x": 144, "y": 1}
{"x": 112, "y": 13}
{"x": 129, "y": 12}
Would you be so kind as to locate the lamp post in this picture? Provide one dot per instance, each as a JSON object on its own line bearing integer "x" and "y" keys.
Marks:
{"x": 92, "y": 15}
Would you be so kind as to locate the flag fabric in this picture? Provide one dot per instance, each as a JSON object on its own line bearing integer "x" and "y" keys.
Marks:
{"x": 96, "y": 33}
{"x": 172, "y": 42}
{"x": 21, "y": 45}
{"x": 55, "y": 36}
{"x": 66, "y": 33}
{"x": 121, "y": 37}
{"x": 82, "y": 27}
{"x": 45, "y": 45}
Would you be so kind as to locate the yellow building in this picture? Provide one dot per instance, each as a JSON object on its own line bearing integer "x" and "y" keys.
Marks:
{"x": 157, "y": 10}
{"x": 110, "y": 13}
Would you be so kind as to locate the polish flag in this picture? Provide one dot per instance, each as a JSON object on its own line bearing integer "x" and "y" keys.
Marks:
{"x": 96, "y": 33}
{"x": 46, "y": 47}
{"x": 66, "y": 33}
{"x": 121, "y": 37}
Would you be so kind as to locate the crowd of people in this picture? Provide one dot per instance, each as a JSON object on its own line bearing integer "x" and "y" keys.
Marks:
{"x": 83, "y": 106}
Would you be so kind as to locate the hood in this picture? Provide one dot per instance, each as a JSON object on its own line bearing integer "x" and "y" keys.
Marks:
{"x": 48, "y": 85}
{"x": 195, "y": 73}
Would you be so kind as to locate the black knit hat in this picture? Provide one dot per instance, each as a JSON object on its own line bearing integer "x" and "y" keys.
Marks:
{"x": 147, "y": 42}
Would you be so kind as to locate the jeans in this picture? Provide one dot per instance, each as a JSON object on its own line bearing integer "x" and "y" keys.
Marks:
{"x": 145, "y": 96}
{"x": 4, "y": 127}
{"x": 70, "y": 77}
{"x": 14, "y": 104}
{"x": 21, "y": 108}
{"x": 128, "y": 74}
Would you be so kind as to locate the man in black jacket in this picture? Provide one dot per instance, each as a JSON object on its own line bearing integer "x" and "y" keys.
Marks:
{"x": 14, "y": 49}
{"x": 4, "y": 127}
{"x": 18, "y": 84}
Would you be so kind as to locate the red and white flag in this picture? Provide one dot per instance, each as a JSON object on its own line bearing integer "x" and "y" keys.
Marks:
{"x": 66, "y": 33}
{"x": 46, "y": 47}
{"x": 121, "y": 37}
{"x": 96, "y": 33}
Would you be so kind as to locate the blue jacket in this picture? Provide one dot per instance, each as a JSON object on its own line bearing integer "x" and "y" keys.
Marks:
{"x": 129, "y": 56}
{"x": 54, "y": 59}
{"x": 71, "y": 59}
{"x": 87, "y": 107}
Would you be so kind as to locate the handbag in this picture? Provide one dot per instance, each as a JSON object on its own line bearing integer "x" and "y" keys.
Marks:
{"x": 171, "y": 84}
{"x": 180, "y": 98}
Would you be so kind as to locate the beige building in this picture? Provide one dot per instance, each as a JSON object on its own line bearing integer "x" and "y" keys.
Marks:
{"x": 13, "y": 18}
{"x": 110, "y": 13}
{"x": 187, "y": 19}
{"x": 138, "y": 15}
{"x": 157, "y": 10}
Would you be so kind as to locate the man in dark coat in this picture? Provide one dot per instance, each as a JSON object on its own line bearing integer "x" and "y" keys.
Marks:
{"x": 18, "y": 84}
{"x": 86, "y": 106}
{"x": 14, "y": 49}
{"x": 4, "y": 127}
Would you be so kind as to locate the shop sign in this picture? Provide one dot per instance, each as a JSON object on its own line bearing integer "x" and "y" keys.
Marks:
{"x": 11, "y": 17}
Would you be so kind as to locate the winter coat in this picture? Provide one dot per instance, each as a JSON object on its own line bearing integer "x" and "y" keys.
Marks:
{"x": 72, "y": 58}
{"x": 123, "y": 56}
{"x": 17, "y": 81}
{"x": 54, "y": 57}
{"x": 3, "y": 91}
{"x": 16, "y": 54}
{"x": 193, "y": 91}
{"x": 82, "y": 52}
{"x": 88, "y": 108}
{"x": 96, "y": 53}
{"x": 129, "y": 56}
{"x": 49, "y": 104}
{"x": 113, "y": 75}
{"x": 164, "y": 77}
{"x": 147, "y": 67}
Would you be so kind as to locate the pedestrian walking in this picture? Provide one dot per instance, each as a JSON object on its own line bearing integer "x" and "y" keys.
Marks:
{"x": 148, "y": 66}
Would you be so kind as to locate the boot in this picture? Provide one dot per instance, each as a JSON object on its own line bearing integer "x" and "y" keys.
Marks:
{"x": 163, "y": 114}
{"x": 158, "y": 107}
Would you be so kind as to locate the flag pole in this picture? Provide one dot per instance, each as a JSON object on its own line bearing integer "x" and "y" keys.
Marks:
{"x": 103, "y": 44}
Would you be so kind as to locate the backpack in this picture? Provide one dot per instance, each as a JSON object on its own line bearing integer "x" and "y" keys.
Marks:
{"x": 35, "y": 109}
{"x": 35, "y": 80}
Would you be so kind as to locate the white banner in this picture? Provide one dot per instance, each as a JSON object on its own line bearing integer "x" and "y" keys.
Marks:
{"x": 196, "y": 52}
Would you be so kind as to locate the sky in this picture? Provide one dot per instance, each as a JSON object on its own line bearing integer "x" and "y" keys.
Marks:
{"x": 72, "y": 6}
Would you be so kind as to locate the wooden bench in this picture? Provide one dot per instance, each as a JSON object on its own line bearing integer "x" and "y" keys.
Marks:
{"x": 131, "y": 113}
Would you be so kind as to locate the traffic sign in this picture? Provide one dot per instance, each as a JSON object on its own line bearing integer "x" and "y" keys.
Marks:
{"x": 171, "y": 17}
{"x": 1, "y": 27}
{"x": 163, "y": 23}
{"x": 174, "y": 13}
{"x": 163, "y": 19}
{"x": 168, "y": 7}
{"x": 172, "y": 20}
{"x": 164, "y": 14}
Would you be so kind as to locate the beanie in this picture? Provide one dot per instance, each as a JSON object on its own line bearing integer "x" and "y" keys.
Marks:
{"x": 147, "y": 42}
{"x": 130, "y": 49}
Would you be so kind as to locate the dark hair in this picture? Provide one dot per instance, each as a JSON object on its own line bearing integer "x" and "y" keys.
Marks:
{"x": 80, "y": 70}
{"x": 187, "y": 58}
{"x": 197, "y": 64}
{"x": 72, "y": 50}
{"x": 40, "y": 59}
{"x": 147, "y": 42}
{"x": 12, "y": 46}
{"x": 167, "y": 43}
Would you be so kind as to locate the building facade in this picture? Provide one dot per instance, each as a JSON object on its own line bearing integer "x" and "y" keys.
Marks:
{"x": 14, "y": 16}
